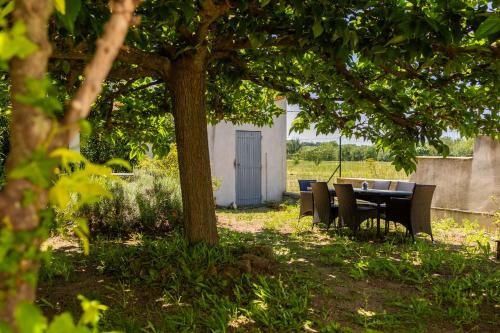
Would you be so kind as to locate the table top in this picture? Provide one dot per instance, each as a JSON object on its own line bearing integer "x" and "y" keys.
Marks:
{"x": 383, "y": 193}
{"x": 374, "y": 192}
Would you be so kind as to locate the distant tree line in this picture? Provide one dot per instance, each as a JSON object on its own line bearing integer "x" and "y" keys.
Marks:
{"x": 458, "y": 147}
{"x": 329, "y": 151}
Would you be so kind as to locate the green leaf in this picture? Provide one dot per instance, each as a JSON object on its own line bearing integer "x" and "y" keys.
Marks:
{"x": 15, "y": 43}
{"x": 68, "y": 156}
{"x": 4, "y": 328}
{"x": 317, "y": 28}
{"x": 396, "y": 40}
{"x": 69, "y": 18}
{"x": 60, "y": 6}
{"x": 119, "y": 162}
{"x": 59, "y": 194}
{"x": 85, "y": 127}
{"x": 62, "y": 323}
{"x": 38, "y": 170}
{"x": 377, "y": 49}
{"x": 82, "y": 231}
{"x": 188, "y": 10}
{"x": 66, "y": 67}
{"x": 488, "y": 27}
{"x": 91, "y": 311}
{"x": 7, "y": 9}
{"x": 40, "y": 93}
{"x": 264, "y": 3}
{"x": 29, "y": 319}
{"x": 254, "y": 41}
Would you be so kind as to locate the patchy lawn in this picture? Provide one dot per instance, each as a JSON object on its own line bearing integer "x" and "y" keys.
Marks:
{"x": 272, "y": 273}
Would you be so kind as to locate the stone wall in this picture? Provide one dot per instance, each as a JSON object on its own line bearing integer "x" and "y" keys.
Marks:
{"x": 465, "y": 185}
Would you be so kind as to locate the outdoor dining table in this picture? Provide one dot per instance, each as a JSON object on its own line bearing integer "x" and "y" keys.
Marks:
{"x": 378, "y": 197}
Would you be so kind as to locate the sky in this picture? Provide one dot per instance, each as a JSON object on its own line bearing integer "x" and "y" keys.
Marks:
{"x": 310, "y": 135}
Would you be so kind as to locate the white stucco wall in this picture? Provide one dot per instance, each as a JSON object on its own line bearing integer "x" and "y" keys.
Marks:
{"x": 75, "y": 143}
{"x": 222, "y": 145}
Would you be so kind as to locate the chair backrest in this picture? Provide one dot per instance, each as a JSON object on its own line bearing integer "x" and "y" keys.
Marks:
{"x": 322, "y": 201}
{"x": 347, "y": 203}
{"x": 306, "y": 203}
{"x": 421, "y": 208}
{"x": 381, "y": 184}
{"x": 305, "y": 183}
{"x": 405, "y": 186}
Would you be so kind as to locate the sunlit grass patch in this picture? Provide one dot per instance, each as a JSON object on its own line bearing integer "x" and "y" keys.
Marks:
{"x": 312, "y": 280}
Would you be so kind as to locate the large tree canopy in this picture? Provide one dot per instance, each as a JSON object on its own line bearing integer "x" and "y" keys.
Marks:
{"x": 398, "y": 73}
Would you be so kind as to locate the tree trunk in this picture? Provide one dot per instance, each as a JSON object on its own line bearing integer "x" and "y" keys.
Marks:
{"x": 187, "y": 85}
{"x": 29, "y": 127}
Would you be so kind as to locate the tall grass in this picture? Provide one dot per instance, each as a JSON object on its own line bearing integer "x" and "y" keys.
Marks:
{"x": 299, "y": 169}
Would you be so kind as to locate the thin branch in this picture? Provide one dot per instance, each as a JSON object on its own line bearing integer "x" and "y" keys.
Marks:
{"x": 97, "y": 70}
{"x": 149, "y": 62}
{"x": 210, "y": 12}
{"x": 360, "y": 87}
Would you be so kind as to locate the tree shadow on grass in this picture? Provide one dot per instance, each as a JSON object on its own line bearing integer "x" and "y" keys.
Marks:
{"x": 405, "y": 282}
{"x": 324, "y": 280}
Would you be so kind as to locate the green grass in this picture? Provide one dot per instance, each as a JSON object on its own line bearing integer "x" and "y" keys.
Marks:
{"x": 323, "y": 171}
{"x": 311, "y": 280}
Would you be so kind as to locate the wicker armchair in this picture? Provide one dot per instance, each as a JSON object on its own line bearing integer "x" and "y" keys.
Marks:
{"x": 352, "y": 214}
{"x": 306, "y": 198}
{"x": 325, "y": 211}
{"x": 306, "y": 204}
{"x": 405, "y": 186}
{"x": 381, "y": 184}
{"x": 400, "y": 186}
{"x": 305, "y": 184}
{"x": 414, "y": 213}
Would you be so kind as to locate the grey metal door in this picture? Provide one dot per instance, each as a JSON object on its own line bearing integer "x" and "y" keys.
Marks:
{"x": 248, "y": 168}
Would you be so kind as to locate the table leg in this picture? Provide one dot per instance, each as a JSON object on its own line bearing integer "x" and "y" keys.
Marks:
{"x": 378, "y": 218}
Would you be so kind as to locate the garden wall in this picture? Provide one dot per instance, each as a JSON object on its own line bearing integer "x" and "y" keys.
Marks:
{"x": 466, "y": 186}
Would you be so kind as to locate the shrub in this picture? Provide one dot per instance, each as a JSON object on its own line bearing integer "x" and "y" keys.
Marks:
{"x": 168, "y": 165}
{"x": 146, "y": 202}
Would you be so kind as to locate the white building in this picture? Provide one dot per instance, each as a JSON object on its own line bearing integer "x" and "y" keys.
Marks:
{"x": 249, "y": 161}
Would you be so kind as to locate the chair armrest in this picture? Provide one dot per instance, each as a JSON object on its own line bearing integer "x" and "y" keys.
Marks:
{"x": 399, "y": 202}
{"x": 398, "y": 208}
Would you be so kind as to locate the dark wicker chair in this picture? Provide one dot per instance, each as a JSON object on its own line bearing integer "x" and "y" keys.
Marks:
{"x": 325, "y": 211}
{"x": 415, "y": 213}
{"x": 306, "y": 204}
{"x": 304, "y": 184}
{"x": 400, "y": 186}
{"x": 352, "y": 214}
{"x": 381, "y": 184}
{"x": 306, "y": 197}
{"x": 405, "y": 186}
